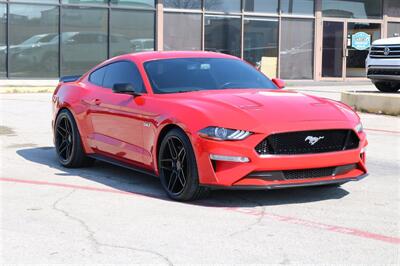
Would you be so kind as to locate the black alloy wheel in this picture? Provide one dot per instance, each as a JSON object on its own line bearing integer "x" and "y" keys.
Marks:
{"x": 64, "y": 139}
{"x": 174, "y": 165}
{"x": 178, "y": 169}
{"x": 68, "y": 142}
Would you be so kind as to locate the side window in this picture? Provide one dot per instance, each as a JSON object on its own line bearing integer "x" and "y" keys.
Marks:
{"x": 97, "y": 76}
{"x": 123, "y": 72}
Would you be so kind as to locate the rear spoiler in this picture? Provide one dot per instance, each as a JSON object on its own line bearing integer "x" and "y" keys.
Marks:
{"x": 69, "y": 78}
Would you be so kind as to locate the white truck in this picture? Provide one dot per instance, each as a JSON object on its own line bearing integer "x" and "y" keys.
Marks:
{"x": 383, "y": 64}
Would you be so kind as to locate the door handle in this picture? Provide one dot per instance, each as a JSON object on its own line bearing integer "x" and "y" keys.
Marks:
{"x": 96, "y": 101}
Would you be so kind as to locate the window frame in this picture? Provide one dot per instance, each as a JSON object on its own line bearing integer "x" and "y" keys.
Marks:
{"x": 224, "y": 17}
{"x": 278, "y": 9}
{"x": 185, "y": 9}
{"x": 386, "y": 9}
{"x": 380, "y": 17}
{"x": 6, "y": 39}
{"x": 61, "y": 5}
{"x": 241, "y": 8}
{"x": 183, "y": 13}
{"x": 299, "y": 15}
{"x": 62, "y": 29}
{"x": 314, "y": 47}
{"x": 8, "y": 64}
{"x": 144, "y": 89}
{"x": 111, "y": 10}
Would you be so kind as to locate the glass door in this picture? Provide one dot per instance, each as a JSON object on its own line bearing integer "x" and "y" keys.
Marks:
{"x": 360, "y": 36}
{"x": 345, "y": 46}
{"x": 333, "y": 49}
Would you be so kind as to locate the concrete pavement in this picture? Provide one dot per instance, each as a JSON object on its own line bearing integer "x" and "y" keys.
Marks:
{"x": 106, "y": 214}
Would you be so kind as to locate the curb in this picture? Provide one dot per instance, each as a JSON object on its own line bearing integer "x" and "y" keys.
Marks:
{"x": 11, "y": 89}
{"x": 373, "y": 102}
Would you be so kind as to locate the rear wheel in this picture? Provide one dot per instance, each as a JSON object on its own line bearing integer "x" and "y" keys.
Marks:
{"x": 68, "y": 142}
{"x": 178, "y": 168}
{"x": 387, "y": 86}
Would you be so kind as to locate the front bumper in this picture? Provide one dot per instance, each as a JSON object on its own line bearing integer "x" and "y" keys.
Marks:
{"x": 240, "y": 175}
{"x": 291, "y": 185}
{"x": 383, "y": 69}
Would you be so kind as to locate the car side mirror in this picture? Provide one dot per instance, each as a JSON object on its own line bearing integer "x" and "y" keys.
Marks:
{"x": 125, "y": 88}
{"x": 279, "y": 83}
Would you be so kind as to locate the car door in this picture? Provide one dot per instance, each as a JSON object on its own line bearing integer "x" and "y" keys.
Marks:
{"x": 117, "y": 118}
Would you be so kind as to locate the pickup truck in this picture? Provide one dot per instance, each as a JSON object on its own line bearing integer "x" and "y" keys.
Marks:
{"x": 383, "y": 64}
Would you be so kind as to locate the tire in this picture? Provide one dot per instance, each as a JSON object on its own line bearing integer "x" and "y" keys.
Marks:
{"x": 387, "y": 86}
{"x": 178, "y": 168}
{"x": 68, "y": 142}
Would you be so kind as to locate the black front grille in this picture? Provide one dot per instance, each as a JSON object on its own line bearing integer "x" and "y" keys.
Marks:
{"x": 309, "y": 173}
{"x": 387, "y": 51}
{"x": 304, "y": 142}
{"x": 302, "y": 173}
{"x": 384, "y": 71}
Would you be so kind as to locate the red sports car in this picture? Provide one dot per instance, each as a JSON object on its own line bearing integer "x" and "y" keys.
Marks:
{"x": 202, "y": 120}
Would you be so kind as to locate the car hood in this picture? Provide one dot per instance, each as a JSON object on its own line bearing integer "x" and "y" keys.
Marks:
{"x": 252, "y": 107}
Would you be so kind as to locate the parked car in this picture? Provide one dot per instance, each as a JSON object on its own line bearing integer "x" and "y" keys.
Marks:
{"x": 142, "y": 45}
{"x": 383, "y": 64}
{"x": 83, "y": 50}
{"x": 203, "y": 120}
{"x": 40, "y": 49}
{"x": 80, "y": 49}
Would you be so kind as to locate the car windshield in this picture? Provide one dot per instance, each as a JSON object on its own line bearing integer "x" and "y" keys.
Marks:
{"x": 193, "y": 74}
{"x": 32, "y": 40}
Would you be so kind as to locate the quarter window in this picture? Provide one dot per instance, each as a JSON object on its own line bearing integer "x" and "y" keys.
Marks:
{"x": 97, "y": 76}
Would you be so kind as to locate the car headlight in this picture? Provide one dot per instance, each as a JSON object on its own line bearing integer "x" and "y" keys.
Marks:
{"x": 359, "y": 128}
{"x": 221, "y": 133}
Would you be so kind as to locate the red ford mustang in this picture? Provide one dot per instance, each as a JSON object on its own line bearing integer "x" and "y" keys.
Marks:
{"x": 201, "y": 120}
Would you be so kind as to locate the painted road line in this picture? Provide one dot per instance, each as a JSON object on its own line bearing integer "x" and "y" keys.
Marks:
{"x": 246, "y": 211}
{"x": 382, "y": 130}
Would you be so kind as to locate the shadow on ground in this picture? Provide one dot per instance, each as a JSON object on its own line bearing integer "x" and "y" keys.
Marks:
{"x": 129, "y": 181}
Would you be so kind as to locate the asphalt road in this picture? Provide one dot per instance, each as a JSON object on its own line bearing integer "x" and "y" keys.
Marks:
{"x": 106, "y": 214}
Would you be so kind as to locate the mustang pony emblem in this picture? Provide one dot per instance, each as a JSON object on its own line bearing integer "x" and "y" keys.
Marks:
{"x": 312, "y": 140}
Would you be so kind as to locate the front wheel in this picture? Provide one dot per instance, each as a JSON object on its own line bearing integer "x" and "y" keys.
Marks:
{"x": 387, "y": 86}
{"x": 178, "y": 168}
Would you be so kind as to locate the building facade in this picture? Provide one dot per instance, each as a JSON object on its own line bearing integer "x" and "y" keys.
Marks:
{"x": 290, "y": 39}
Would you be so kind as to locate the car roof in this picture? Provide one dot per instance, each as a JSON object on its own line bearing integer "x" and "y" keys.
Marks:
{"x": 155, "y": 55}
